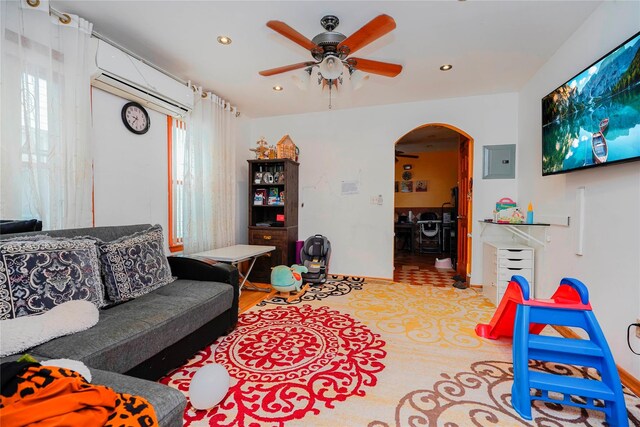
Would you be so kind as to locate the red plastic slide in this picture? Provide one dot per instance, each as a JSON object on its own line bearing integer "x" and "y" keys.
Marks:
{"x": 501, "y": 325}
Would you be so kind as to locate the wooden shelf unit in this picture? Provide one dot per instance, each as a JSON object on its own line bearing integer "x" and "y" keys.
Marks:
{"x": 281, "y": 234}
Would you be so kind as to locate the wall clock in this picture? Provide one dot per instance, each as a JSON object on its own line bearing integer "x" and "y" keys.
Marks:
{"x": 406, "y": 175}
{"x": 135, "y": 118}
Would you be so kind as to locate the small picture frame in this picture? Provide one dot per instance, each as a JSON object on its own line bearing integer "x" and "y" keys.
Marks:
{"x": 274, "y": 197}
{"x": 406, "y": 187}
{"x": 267, "y": 178}
{"x": 421, "y": 186}
{"x": 257, "y": 177}
{"x": 260, "y": 197}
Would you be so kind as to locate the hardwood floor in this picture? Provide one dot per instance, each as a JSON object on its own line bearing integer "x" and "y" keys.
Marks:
{"x": 423, "y": 261}
{"x": 250, "y": 298}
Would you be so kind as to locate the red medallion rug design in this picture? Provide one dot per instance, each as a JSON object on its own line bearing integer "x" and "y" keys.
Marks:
{"x": 385, "y": 354}
{"x": 286, "y": 363}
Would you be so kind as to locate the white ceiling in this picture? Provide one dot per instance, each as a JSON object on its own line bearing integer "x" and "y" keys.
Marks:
{"x": 494, "y": 46}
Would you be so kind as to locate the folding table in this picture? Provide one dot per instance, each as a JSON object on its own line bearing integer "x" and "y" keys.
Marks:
{"x": 236, "y": 254}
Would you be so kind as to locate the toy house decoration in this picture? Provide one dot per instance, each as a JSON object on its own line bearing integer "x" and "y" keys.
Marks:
{"x": 272, "y": 153}
{"x": 287, "y": 149}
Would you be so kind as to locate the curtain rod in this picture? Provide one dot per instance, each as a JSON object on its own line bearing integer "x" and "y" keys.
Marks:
{"x": 65, "y": 19}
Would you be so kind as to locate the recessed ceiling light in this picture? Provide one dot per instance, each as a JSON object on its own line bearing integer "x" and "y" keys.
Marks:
{"x": 224, "y": 40}
{"x": 278, "y": 88}
{"x": 446, "y": 67}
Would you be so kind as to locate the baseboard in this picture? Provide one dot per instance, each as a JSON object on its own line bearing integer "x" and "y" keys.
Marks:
{"x": 631, "y": 382}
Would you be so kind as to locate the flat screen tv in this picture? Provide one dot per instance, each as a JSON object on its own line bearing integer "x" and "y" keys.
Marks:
{"x": 594, "y": 118}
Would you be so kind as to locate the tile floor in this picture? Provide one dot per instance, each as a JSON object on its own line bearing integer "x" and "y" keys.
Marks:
{"x": 419, "y": 269}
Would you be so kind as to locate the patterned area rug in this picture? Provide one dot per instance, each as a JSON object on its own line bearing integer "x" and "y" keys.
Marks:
{"x": 374, "y": 353}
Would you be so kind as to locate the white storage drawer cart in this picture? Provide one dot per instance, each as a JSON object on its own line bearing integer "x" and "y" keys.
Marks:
{"x": 501, "y": 261}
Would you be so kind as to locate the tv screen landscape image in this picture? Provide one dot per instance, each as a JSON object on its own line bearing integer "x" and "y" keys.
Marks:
{"x": 594, "y": 118}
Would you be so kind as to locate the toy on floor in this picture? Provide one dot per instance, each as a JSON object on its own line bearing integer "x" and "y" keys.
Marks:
{"x": 286, "y": 279}
{"x": 524, "y": 318}
{"x": 209, "y": 386}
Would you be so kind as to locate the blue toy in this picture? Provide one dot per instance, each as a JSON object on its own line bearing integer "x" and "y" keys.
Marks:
{"x": 568, "y": 307}
{"x": 286, "y": 279}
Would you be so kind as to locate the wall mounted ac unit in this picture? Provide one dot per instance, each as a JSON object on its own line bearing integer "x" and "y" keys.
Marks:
{"x": 121, "y": 74}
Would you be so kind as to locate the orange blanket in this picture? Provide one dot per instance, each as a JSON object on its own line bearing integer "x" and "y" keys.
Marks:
{"x": 51, "y": 396}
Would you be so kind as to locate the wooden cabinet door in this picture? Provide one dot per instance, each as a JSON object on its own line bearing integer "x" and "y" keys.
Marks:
{"x": 269, "y": 237}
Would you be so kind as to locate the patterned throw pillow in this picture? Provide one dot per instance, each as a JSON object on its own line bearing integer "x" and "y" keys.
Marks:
{"x": 37, "y": 274}
{"x": 134, "y": 265}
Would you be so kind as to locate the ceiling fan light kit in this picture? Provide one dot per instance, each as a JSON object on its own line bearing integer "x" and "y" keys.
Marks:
{"x": 331, "y": 48}
{"x": 331, "y": 67}
{"x": 302, "y": 83}
{"x": 358, "y": 79}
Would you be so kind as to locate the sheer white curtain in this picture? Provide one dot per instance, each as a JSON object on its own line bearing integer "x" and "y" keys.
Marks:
{"x": 45, "y": 151}
{"x": 209, "y": 184}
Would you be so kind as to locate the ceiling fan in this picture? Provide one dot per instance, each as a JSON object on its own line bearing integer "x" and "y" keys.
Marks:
{"x": 330, "y": 49}
{"x": 402, "y": 154}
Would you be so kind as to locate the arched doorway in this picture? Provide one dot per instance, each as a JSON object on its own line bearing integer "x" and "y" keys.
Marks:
{"x": 433, "y": 203}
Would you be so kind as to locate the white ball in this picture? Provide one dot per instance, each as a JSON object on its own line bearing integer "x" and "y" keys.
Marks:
{"x": 208, "y": 386}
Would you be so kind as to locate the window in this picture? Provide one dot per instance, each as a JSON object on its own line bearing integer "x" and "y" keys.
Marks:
{"x": 177, "y": 135}
{"x": 35, "y": 145}
{"x": 46, "y": 168}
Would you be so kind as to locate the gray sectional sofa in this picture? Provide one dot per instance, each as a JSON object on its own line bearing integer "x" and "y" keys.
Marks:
{"x": 144, "y": 338}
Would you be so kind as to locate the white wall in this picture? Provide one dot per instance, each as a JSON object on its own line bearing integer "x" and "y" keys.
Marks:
{"x": 610, "y": 266}
{"x": 358, "y": 144}
{"x": 130, "y": 171}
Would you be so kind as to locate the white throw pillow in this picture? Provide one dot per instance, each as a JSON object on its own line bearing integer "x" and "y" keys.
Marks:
{"x": 24, "y": 332}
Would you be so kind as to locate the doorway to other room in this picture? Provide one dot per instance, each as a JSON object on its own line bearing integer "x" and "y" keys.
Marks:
{"x": 432, "y": 206}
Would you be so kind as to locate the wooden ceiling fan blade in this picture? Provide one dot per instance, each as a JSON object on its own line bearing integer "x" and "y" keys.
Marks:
{"x": 285, "y": 30}
{"x": 286, "y": 68}
{"x": 375, "y": 67}
{"x": 374, "y": 29}
{"x": 402, "y": 154}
